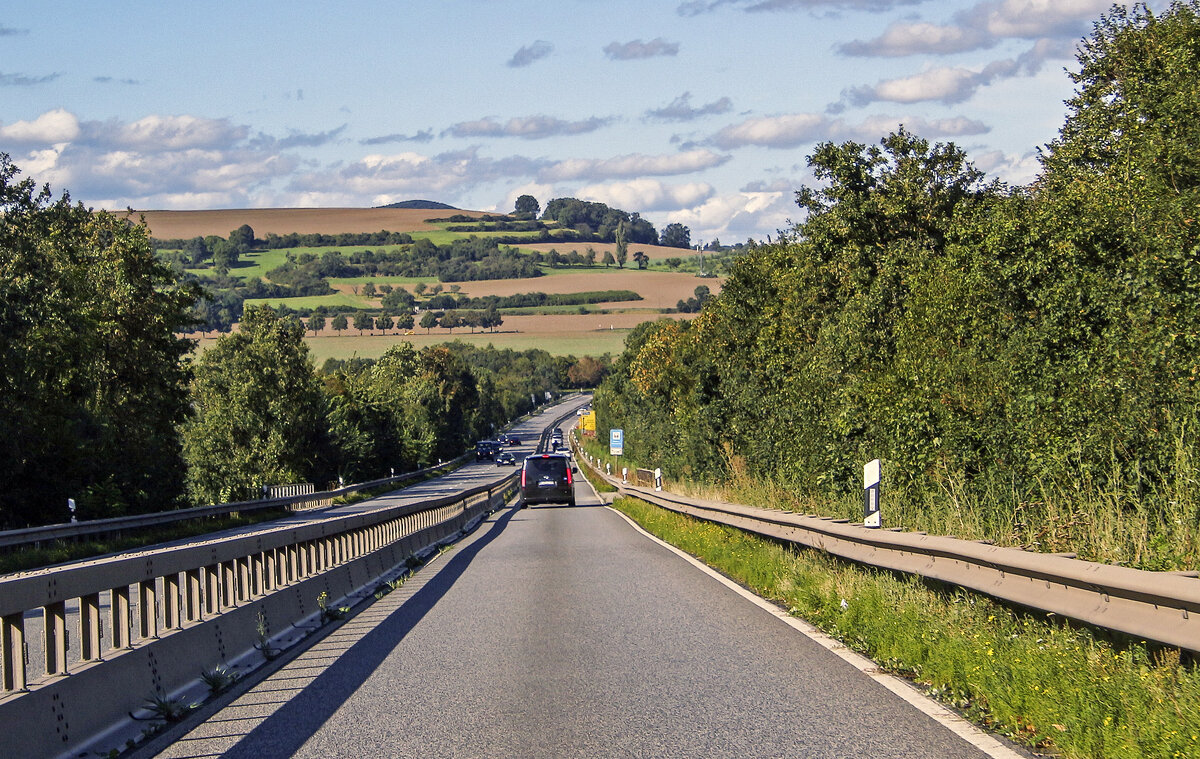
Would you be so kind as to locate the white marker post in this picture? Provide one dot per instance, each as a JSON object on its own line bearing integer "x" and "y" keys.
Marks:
{"x": 871, "y": 495}
{"x": 658, "y": 479}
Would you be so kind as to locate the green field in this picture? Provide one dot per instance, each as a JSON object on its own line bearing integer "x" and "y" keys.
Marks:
{"x": 337, "y": 300}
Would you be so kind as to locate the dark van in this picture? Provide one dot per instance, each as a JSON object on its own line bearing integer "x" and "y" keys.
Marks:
{"x": 486, "y": 450}
{"x": 547, "y": 478}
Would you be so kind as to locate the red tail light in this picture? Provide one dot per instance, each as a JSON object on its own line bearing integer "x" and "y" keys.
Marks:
{"x": 569, "y": 478}
{"x": 522, "y": 476}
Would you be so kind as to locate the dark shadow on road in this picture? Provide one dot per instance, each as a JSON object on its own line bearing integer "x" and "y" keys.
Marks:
{"x": 285, "y": 731}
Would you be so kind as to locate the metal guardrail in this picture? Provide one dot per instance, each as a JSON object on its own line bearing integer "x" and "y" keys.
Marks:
{"x": 75, "y": 530}
{"x": 175, "y": 611}
{"x": 1163, "y": 607}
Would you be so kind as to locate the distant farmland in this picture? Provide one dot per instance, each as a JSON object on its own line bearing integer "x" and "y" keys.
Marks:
{"x": 565, "y": 333}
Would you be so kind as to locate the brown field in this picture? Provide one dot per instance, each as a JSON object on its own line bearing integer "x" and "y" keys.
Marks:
{"x": 170, "y": 225}
{"x": 559, "y": 334}
{"x": 654, "y": 252}
{"x": 659, "y": 289}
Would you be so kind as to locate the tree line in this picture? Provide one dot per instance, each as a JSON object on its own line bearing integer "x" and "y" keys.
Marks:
{"x": 993, "y": 344}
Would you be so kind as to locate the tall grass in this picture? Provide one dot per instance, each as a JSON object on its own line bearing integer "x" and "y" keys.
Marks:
{"x": 1033, "y": 678}
{"x": 1149, "y": 523}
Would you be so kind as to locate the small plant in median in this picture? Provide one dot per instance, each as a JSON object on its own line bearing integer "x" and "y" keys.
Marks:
{"x": 219, "y": 679}
{"x": 330, "y": 612}
{"x": 269, "y": 652}
{"x": 168, "y": 710}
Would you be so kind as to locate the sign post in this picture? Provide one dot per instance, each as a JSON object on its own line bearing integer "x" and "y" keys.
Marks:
{"x": 616, "y": 442}
{"x": 871, "y": 495}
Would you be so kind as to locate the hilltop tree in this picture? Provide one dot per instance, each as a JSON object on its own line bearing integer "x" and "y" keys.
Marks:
{"x": 528, "y": 207}
{"x": 676, "y": 235}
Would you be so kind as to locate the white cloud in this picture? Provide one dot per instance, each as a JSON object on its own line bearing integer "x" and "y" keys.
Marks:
{"x": 408, "y": 174}
{"x": 525, "y": 127}
{"x": 983, "y": 26}
{"x": 737, "y": 216}
{"x": 636, "y": 49}
{"x": 794, "y": 130}
{"x": 680, "y": 109}
{"x": 645, "y": 195}
{"x": 1013, "y": 169}
{"x": 51, "y": 127}
{"x": 785, "y": 131}
{"x": 633, "y": 165}
{"x": 530, "y": 53}
{"x": 153, "y": 133}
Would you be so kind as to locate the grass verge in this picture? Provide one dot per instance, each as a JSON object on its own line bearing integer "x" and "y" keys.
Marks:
{"x": 1034, "y": 678}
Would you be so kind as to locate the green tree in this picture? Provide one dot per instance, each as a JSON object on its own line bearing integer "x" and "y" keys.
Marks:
{"x": 368, "y": 290}
{"x": 339, "y": 323}
{"x": 363, "y": 321}
{"x": 93, "y": 380}
{"x": 622, "y": 246}
{"x": 316, "y": 323}
{"x": 527, "y": 206}
{"x": 259, "y": 413}
{"x": 609, "y": 260}
{"x": 429, "y": 320}
{"x": 385, "y": 322}
{"x": 404, "y": 321}
{"x": 676, "y": 235}
{"x": 242, "y": 239}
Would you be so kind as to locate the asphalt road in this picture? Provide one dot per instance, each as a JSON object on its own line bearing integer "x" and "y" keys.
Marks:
{"x": 563, "y": 632}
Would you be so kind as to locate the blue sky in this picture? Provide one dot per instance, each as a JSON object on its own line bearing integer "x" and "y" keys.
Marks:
{"x": 693, "y": 111}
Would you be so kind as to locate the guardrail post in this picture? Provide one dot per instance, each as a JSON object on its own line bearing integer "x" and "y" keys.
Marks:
{"x": 228, "y": 597}
{"x": 243, "y": 579}
{"x": 56, "y": 637}
{"x": 12, "y": 657}
{"x": 89, "y": 627}
{"x": 212, "y": 589}
{"x": 191, "y": 595}
{"x": 171, "y": 601}
{"x": 148, "y": 608}
{"x": 119, "y": 613}
{"x": 270, "y": 569}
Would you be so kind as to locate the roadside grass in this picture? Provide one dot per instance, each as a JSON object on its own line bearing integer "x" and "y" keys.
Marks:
{"x": 1034, "y": 678}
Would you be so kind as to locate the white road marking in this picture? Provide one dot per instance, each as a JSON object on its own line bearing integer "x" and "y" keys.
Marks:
{"x": 944, "y": 716}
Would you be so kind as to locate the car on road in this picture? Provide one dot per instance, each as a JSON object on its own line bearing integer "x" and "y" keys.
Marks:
{"x": 510, "y": 440}
{"x": 504, "y": 458}
{"x": 547, "y": 478}
{"x": 486, "y": 450}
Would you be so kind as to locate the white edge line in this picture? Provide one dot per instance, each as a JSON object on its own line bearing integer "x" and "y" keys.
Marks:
{"x": 947, "y": 718}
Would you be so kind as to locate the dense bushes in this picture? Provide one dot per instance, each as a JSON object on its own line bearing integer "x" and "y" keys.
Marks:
{"x": 996, "y": 346}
